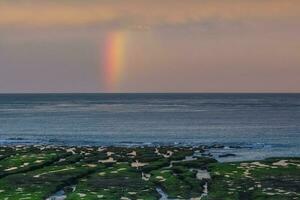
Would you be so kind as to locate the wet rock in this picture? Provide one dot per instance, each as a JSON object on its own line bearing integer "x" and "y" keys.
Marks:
{"x": 235, "y": 147}
{"x": 227, "y": 155}
{"x": 216, "y": 146}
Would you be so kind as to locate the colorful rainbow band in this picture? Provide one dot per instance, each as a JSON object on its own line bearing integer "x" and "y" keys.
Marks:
{"x": 113, "y": 60}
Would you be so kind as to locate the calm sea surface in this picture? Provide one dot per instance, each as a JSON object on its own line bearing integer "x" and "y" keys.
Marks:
{"x": 266, "y": 124}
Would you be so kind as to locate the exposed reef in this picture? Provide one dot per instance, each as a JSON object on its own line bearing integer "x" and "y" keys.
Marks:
{"x": 169, "y": 172}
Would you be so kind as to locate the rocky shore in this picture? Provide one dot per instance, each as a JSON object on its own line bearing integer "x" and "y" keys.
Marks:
{"x": 161, "y": 172}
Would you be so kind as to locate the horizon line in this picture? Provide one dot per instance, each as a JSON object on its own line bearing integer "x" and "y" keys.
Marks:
{"x": 237, "y": 92}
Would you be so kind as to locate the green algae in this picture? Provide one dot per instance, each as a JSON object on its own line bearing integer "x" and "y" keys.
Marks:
{"x": 27, "y": 161}
{"x": 116, "y": 182}
{"x": 269, "y": 179}
{"x": 137, "y": 172}
{"x": 182, "y": 185}
{"x": 42, "y": 182}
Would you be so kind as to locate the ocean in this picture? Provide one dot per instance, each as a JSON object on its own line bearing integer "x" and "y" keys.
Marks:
{"x": 264, "y": 125}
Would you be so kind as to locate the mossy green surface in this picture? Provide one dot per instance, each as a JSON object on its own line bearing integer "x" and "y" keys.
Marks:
{"x": 40, "y": 183}
{"x": 275, "y": 178}
{"x": 115, "y": 182}
{"x": 37, "y": 172}
{"x": 178, "y": 184}
{"x": 27, "y": 160}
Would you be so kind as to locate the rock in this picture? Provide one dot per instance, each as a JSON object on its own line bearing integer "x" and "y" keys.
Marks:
{"x": 227, "y": 155}
{"x": 235, "y": 147}
{"x": 217, "y": 146}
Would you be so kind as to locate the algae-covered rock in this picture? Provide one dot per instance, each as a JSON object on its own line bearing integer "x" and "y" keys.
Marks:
{"x": 275, "y": 178}
{"x": 200, "y": 162}
{"x": 37, "y": 172}
{"x": 116, "y": 182}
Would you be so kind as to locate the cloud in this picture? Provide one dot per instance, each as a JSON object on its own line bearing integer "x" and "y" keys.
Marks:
{"x": 142, "y": 13}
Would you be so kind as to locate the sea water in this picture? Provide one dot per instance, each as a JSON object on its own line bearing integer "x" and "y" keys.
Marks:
{"x": 263, "y": 124}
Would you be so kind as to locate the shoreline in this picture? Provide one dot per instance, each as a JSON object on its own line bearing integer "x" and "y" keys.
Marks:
{"x": 221, "y": 152}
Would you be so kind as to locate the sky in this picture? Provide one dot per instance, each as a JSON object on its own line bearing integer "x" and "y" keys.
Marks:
{"x": 149, "y": 46}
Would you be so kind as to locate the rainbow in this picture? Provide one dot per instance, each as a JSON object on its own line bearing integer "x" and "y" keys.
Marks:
{"x": 113, "y": 60}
